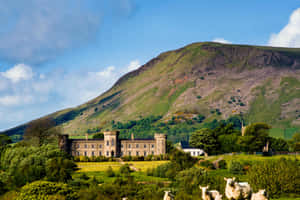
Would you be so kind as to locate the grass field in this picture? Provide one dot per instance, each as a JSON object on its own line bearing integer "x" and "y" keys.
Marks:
{"x": 242, "y": 157}
{"x": 102, "y": 166}
{"x": 97, "y": 170}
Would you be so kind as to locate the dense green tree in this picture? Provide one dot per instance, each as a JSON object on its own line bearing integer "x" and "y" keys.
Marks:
{"x": 255, "y": 137}
{"x": 44, "y": 190}
{"x": 41, "y": 131}
{"x": 60, "y": 169}
{"x": 24, "y": 164}
{"x": 98, "y": 136}
{"x": 204, "y": 139}
{"x": 4, "y": 139}
{"x": 295, "y": 142}
{"x": 278, "y": 144}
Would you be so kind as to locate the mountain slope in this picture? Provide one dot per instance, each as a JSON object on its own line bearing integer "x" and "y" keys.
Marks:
{"x": 261, "y": 82}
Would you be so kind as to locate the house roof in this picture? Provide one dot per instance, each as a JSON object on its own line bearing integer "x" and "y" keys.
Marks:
{"x": 186, "y": 145}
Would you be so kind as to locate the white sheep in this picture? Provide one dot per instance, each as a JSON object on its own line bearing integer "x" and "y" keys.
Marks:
{"x": 209, "y": 194}
{"x": 218, "y": 197}
{"x": 235, "y": 190}
{"x": 168, "y": 195}
{"x": 260, "y": 195}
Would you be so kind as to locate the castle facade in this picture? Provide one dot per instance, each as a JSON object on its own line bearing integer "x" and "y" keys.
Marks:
{"x": 112, "y": 146}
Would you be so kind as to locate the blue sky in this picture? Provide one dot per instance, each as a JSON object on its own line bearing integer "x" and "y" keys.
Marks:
{"x": 61, "y": 53}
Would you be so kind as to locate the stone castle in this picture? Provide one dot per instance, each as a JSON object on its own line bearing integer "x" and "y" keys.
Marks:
{"x": 112, "y": 146}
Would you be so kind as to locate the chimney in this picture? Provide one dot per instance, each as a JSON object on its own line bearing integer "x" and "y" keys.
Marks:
{"x": 86, "y": 136}
{"x": 132, "y": 136}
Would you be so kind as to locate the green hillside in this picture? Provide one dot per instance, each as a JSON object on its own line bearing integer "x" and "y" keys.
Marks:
{"x": 211, "y": 79}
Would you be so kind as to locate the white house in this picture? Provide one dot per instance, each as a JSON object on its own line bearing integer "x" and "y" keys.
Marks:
{"x": 193, "y": 151}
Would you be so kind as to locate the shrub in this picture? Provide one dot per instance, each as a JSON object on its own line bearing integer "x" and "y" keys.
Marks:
{"x": 44, "y": 190}
{"x": 222, "y": 164}
{"x": 207, "y": 164}
{"x": 276, "y": 176}
{"x": 109, "y": 172}
{"x": 235, "y": 167}
{"x": 125, "y": 169}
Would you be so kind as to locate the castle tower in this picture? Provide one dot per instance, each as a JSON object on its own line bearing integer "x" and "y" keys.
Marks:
{"x": 160, "y": 141}
{"x": 111, "y": 143}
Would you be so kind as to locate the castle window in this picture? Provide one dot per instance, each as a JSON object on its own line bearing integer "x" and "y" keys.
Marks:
{"x": 129, "y": 153}
{"x": 93, "y": 153}
{"x": 129, "y": 146}
{"x": 93, "y": 146}
{"x": 107, "y": 153}
{"x": 121, "y": 153}
{"x": 78, "y": 146}
{"x": 100, "y": 153}
{"x": 152, "y": 145}
{"x": 137, "y": 145}
{"x": 85, "y": 146}
{"x": 145, "y": 145}
{"x": 112, "y": 142}
{"x": 100, "y": 146}
{"x": 137, "y": 153}
{"x": 121, "y": 145}
{"x": 145, "y": 153}
{"x": 152, "y": 152}
{"x": 107, "y": 143}
{"x": 77, "y": 153}
{"x": 85, "y": 153}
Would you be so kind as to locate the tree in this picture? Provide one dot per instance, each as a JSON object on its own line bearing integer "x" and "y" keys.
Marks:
{"x": 41, "y": 131}
{"x": 60, "y": 169}
{"x": 255, "y": 138}
{"x": 278, "y": 144}
{"x": 295, "y": 142}
{"x": 98, "y": 136}
{"x": 204, "y": 139}
{"x": 4, "y": 139}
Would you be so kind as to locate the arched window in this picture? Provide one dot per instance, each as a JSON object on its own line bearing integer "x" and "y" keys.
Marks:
{"x": 112, "y": 142}
{"x": 107, "y": 143}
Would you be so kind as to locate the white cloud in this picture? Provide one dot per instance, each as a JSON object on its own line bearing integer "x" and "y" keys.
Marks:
{"x": 222, "y": 40}
{"x": 15, "y": 100}
{"x": 289, "y": 36}
{"x": 48, "y": 92}
{"x": 35, "y": 31}
{"x": 107, "y": 73}
{"x": 133, "y": 65}
{"x": 18, "y": 72}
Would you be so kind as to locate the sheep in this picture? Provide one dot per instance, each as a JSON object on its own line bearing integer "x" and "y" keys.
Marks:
{"x": 218, "y": 197}
{"x": 209, "y": 195}
{"x": 168, "y": 195}
{"x": 235, "y": 190}
{"x": 260, "y": 195}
